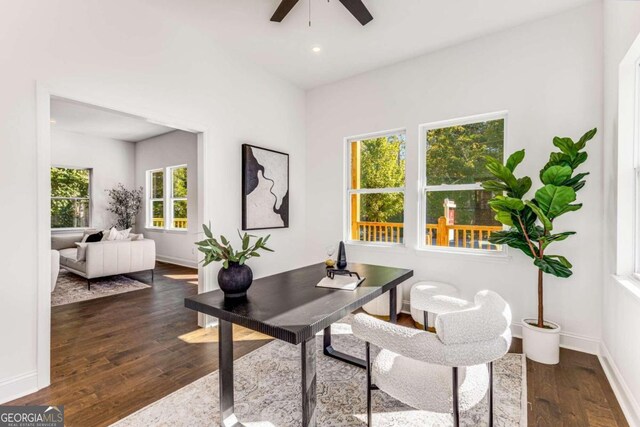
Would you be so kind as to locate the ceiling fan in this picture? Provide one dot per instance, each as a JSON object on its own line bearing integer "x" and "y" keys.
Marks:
{"x": 356, "y": 7}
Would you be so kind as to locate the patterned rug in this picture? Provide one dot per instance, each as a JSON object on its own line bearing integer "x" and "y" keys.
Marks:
{"x": 71, "y": 288}
{"x": 267, "y": 394}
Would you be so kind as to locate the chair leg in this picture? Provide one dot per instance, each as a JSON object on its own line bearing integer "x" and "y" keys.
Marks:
{"x": 490, "y": 394}
{"x": 368, "y": 361}
{"x": 426, "y": 320}
{"x": 456, "y": 407}
{"x": 152, "y": 275}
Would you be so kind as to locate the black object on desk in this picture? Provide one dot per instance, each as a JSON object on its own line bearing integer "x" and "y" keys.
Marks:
{"x": 288, "y": 306}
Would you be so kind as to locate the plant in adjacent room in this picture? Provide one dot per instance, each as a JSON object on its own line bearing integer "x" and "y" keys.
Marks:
{"x": 125, "y": 205}
{"x": 531, "y": 221}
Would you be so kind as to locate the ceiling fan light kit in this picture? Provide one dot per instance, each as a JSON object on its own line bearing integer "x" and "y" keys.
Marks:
{"x": 355, "y": 7}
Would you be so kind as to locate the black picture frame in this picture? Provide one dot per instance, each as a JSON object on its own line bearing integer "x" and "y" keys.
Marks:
{"x": 250, "y": 166}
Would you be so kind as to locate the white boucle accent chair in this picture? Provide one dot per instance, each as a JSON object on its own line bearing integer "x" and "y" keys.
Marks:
{"x": 421, "y": 297}
{"x": 447, "y": 371}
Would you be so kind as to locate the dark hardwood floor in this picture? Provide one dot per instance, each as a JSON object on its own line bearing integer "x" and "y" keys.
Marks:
{"x": 112, "y": 356}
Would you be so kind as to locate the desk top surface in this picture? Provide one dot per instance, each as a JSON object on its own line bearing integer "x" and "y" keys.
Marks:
{"x": 290, "y": 307}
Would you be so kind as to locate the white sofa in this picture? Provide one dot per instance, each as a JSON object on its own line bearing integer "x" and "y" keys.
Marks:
{"x": 106, "y": 258}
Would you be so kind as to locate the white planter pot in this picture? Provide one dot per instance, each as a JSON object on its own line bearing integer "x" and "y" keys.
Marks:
{"x": 541, "y": 344}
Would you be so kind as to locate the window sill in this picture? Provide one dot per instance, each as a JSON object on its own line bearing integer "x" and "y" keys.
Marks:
{"x": 630, "y": 283}
{"x": 397, "y": 247}
{"x": 70, "y": 230}
{"x": 484, "y": 256}
{"x": 165, "y": 230}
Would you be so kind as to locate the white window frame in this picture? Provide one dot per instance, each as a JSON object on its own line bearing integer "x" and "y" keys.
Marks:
{"x": 171, "y": 199}
{"x": 350, "y": 191}
{"x": 423, "y": 188}
{"x": 150, "y": 200}
{"x": 90, "y": 198}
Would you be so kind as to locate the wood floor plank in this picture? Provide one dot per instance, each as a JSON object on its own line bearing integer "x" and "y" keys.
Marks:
{"x": 114, "y": 355}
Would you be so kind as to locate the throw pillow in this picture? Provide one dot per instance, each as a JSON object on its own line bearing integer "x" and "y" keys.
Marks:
{"x": 136, "y": 236}
{"x": 114, "y": 234}
{"x": 82, "y": 252}
{"x": 96, "y": 237}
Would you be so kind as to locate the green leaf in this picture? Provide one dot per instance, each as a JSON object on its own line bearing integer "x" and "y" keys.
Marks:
{"x": 505, "y": 203}
{"x": 245, "y": 242}
{"x": 552, "y": 266}
{"x": 523, "y": 185}
{"x": 207, "y": 231}
{"x": 546, "y": 222}
{"x": 514, "y": 160}
{"x": 496, "y": 186}
{"x": 511, "y": 238}
{"x": 570, "y": 208}
{"x": 566, "y": 145}
{"x": 562, "y": 260}
{"x": 504, "y": 218}
{"x": 547, "y": 240}
{"x": 556, "y": 175}
{"x": 552, "y": 199}
{"x": 579, "y": 159}
{"x": 586, "y": 137}
{"x": 242, "y": 260}
{"x": 225, "y": 264}
{"x": 501, "y": 172}
{"x": 224, "y": 240}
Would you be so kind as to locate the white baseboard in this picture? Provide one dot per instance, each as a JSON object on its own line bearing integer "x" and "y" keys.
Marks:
{"x": 18, "y": 386}
{"x": 177, "y": 261}
{"x": 628, "y": 403}
{"x": 568, "y": 340}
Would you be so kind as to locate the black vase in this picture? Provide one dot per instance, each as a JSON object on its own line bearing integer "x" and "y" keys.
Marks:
{"x": 342, "y": 257}
{"x": 235, "y": 280}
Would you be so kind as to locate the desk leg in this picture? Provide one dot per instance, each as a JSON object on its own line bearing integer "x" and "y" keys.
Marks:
{"x": 393, "y": 301}
{"x": 225, "y": 360}
{"x": 328, "y": 350}
{"x": 308, "y": 367}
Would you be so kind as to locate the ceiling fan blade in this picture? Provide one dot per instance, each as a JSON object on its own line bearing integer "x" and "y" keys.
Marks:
{"x": 359, "y": 10}
{"x": 283, "y": 9}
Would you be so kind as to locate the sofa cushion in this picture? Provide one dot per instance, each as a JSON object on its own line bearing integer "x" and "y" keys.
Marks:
{"x": 91, "y": 238}
{"x": 68, "y": 258}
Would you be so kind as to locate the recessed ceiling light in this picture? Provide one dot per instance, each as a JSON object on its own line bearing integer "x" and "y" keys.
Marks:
{"x": 53, "y": 121}
{"x": 316, "y": 49}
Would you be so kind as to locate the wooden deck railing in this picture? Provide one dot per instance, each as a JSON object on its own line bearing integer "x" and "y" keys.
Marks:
{"x": 464, "y": 236}
{"x": 177, "y": 222}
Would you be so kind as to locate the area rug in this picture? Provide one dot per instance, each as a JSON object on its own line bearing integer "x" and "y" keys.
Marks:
{"x": 267, "y": 394}
{"x": 71, "y": 288}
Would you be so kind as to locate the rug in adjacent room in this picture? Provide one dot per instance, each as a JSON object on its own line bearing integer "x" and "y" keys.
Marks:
{"x": 267, "y": 393}
{"x": 72, "y": 288}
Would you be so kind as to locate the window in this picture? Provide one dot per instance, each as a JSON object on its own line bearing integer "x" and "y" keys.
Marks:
{"x": 178, "y": 199}
{"x": 454, "y": 208}
{"x": 376, "y": 188}
{"x": 70, "y": 198}
{"x": 167, "y": 209}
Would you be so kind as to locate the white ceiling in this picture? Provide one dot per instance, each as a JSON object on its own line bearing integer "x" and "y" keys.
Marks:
{"x": 401, "y": 29}
{"x": 90, "y": 120}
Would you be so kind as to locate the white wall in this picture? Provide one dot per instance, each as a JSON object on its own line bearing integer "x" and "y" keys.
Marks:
{"x": 548, "y": 75}
{"x": 621, "y": 305}
{"x": 171, "y": 149}
{"x": 155, "y": 59}
{"x": 112, "y": 162}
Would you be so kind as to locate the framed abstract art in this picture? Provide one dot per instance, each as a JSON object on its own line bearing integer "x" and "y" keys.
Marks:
{"x": 265, "y": 188}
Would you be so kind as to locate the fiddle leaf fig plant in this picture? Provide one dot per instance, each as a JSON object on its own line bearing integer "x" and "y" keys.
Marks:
{"x": 531, "y": 221}
{"x": 221, "y": 250}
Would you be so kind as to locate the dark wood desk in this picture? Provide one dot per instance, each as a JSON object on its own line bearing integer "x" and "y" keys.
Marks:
{"x": 288, "y": 306}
